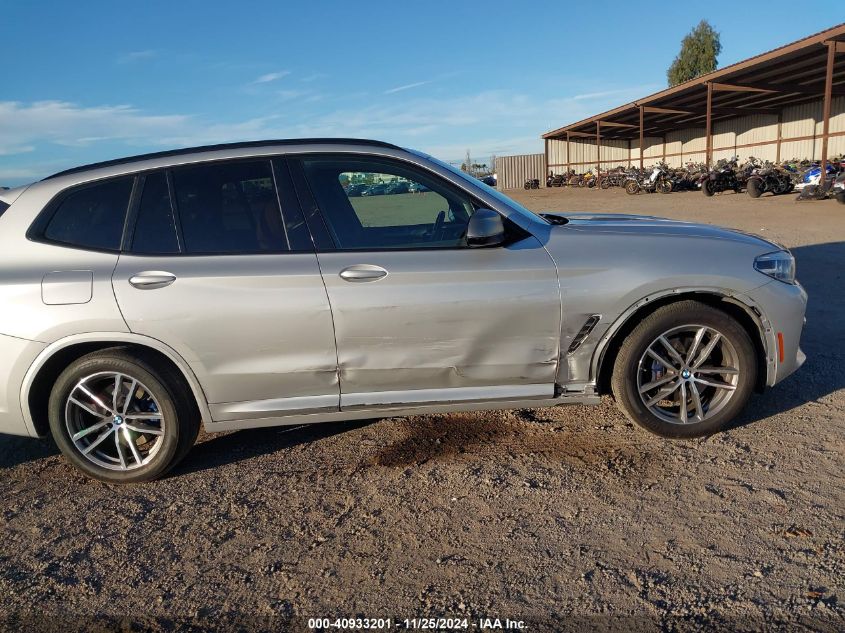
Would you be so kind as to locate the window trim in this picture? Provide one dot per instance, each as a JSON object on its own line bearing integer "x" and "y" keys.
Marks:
{"x": 327, "y": 244}
{"x": 37, "y": 230}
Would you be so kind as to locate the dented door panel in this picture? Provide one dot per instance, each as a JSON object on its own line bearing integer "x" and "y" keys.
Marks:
{"x": 460, "y": 322}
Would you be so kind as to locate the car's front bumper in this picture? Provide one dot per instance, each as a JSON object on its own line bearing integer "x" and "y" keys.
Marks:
{"x": 783, "y": 307}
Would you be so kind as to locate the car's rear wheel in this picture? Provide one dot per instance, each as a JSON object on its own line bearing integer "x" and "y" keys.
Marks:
{"x": 119, "y": 419}
{"x": 686, "y": 370}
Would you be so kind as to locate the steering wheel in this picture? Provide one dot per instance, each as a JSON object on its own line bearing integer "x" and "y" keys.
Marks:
{"x": 437, "y": 230}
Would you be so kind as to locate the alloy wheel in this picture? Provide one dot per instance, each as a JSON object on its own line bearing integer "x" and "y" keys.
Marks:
{"x": 688, "y": 374}
{"x": 114, "y": 421}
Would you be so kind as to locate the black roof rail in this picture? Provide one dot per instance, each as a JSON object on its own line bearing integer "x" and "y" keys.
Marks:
{"x": 222, "y": 146}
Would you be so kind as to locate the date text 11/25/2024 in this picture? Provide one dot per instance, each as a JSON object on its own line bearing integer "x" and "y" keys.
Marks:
{"x": 436, "y": 624}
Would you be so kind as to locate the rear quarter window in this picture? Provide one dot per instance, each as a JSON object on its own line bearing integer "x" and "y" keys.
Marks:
{"x": 3, "y": 207}
{"x": 91, "y": 216}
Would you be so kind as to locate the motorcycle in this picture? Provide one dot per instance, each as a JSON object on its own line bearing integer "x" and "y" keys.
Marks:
{"x": 531, "y": 183}
{"x": 555, "y": 180}
{"x": 658, "y": 180}
{"x": 723, "y": 177}
{"x": 767, "y": 177}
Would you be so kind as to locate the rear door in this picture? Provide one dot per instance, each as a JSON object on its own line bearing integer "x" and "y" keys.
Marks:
{"x": 212, "y": 268}
{"x": 419, "y": 316}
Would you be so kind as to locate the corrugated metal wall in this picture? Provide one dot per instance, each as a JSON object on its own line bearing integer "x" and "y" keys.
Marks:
{"x": 752, "y": 135}
{"x": 513, "y": 171}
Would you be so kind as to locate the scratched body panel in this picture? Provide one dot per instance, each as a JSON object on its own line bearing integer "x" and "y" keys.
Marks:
{"x": 446, "y": 319}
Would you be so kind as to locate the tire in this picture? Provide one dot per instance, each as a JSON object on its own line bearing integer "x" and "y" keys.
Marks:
{"x": 664, "y": 186}
{"x": 754, "y": 187}
{"x": 166, "y": 438}
{"x": 840, "y": 197}
{"x": 604, "y": 183}
{"x": 707, "y": 188}
{"x": 632, "y": 187}
{"x": 719, "y": 404}
{"x": 526, "y": 186}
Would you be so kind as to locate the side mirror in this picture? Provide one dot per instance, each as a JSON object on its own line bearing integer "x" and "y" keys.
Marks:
{"x": 485, "y": 228}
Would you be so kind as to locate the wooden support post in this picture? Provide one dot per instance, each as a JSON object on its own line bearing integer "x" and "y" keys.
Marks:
{"x": 568, "y": 156}
{"x": 708, "y": 154}
{"x": 828, "y": 90}
{"x": 780, "y": 136}
{"x": 663, "y": 139}
{"x": 598, "y": 149}
{"x": 546, "y": 157}
{"x": 642, "y": 135}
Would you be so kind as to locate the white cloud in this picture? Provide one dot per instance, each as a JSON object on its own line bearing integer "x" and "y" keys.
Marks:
{"x": 416, "y": 84}
{"x": 265, "y": 79}
{"x": 494, "y": 121}
{"x": 135, "y": 56}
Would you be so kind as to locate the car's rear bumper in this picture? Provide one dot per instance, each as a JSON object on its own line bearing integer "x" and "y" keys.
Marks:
{"x": 16, "y": 357}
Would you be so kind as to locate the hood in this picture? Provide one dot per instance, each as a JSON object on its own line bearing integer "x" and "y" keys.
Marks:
{"x": 647, "y": 225}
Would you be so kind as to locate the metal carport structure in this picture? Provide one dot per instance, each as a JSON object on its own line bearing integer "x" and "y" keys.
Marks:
{"x": 766, "y": 85}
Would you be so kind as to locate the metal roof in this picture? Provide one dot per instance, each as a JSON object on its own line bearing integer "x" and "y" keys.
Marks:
{"x": 790, "y": 74}
{"x": 221, "y": 146}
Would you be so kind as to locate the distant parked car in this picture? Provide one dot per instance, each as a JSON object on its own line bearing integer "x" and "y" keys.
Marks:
{"x": 354, "y": 191}
{"x": 416, "y": 187}
{"x": 375, "y": 190}
{"x": 489, "y": 180}
{"x": 238, "y": 286}
{"x": 398, "y": 187}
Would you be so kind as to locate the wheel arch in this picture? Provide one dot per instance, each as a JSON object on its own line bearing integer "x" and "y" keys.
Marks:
{"x": 42, "y": 374}
{"x": 741, "y": 308}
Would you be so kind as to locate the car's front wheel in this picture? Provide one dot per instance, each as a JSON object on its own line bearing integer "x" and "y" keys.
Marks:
{"x": 120, "y": 419}
{"x": 685, "y": 371}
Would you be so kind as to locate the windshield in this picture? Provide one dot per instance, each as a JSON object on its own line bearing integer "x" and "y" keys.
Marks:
{"x": 513, "y": 204}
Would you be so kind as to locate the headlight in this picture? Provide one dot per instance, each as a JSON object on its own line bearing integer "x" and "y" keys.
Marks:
{"x": 780, "y": 265}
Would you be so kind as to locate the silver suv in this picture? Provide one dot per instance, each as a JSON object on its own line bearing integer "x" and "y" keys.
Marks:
{"x": 254, "y": 284}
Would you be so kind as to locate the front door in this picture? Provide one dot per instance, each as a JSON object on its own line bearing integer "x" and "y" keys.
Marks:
{"x": 210, "y": 272}
{"x": 419, "y": 316}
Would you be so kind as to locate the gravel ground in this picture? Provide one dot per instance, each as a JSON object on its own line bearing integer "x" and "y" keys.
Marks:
{"x": 566, "y": 518}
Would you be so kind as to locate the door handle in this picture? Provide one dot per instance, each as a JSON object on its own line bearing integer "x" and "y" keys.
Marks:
{"x": 150, "y": 280}
{"x": 363, "y": 272}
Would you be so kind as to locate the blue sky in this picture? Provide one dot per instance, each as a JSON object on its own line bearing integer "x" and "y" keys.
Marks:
{"x": 86, "y": 81}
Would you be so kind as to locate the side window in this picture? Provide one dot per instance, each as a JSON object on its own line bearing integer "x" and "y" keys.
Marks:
{"x": 155, "y": 229}
{"x": 372, "y": 203}
{"x": 229, "y": 208}
{"x": 92, "y": 216}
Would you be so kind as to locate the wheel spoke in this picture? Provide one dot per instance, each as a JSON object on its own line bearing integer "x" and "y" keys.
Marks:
{"x": 660, "y": 359}
{"x": 131, "y": 442}
{"x": 89, "y": 430}
{"x": 696, "y": 341}
{"x": 730, "y": 371}
{"x": 708, "y": 349}
{"x": 656, "y": 383}
{"x": 673, "y": 353}
{"x": 696, "y": 398}
{"x": 143, "y": 416}
{"x": 713, "y": 382}
{"x": 119, "y": 452}
{"x": 85, "y": 407}
{"x": 140, "y": 427}
{"x": 96, "y": 442}
{"x": 662, "y": 393}
{"x": 95, "y": 398}
{"x": 129, "y": 396}
{"x": 682, "y": 406}
{"x": 116, "y": 392}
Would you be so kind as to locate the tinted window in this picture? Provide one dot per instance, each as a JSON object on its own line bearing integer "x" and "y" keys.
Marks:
{"x": 155, "y": 230}
{"x": 3, "y": 207}
{"x": 93, "y": 216}
{"x": 380, "y": 204}
{"x": 229, "y": 208}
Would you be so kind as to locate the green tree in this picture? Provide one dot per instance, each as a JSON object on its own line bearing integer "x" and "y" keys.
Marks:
{"x": 699, "y": 50}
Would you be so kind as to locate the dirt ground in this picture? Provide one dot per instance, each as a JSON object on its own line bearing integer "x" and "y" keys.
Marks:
{"x": 566, "y": 519}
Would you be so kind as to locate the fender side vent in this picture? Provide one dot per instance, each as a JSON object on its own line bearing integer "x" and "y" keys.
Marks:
{"x": 583, "y": 333}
